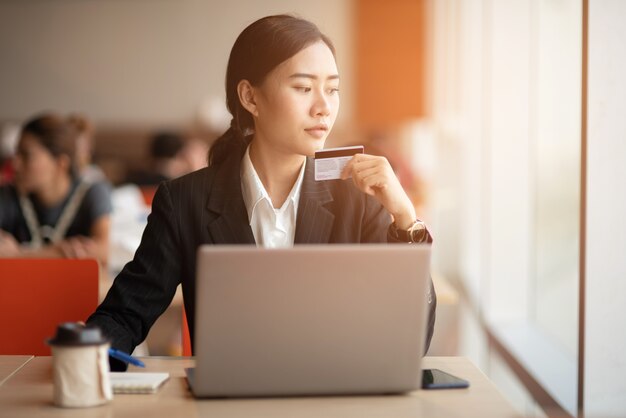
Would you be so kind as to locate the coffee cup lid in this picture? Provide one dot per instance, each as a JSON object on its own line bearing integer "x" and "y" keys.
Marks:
{"x": 75, "y": 334}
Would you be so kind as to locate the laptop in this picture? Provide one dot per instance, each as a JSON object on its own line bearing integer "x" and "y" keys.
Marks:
{"x": 310, "y": 320}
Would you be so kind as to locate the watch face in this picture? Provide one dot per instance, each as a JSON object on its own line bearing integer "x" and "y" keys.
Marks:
{"x": 417, "y": 232}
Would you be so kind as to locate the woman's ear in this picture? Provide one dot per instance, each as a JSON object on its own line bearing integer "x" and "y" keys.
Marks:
{"x": 247, "y": 97}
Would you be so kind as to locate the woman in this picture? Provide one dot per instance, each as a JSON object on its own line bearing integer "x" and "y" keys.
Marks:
{"x": 50, "y": 211}
{"x": 282, "y": 89}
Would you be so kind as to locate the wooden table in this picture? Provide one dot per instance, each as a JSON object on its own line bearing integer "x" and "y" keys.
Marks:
{"x": 11, "y": 364}
{"x": 28, "y": 393}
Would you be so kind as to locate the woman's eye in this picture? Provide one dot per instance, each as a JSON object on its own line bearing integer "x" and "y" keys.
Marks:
{"x": 334, "y": 90}
{"x": 303, "y": 89}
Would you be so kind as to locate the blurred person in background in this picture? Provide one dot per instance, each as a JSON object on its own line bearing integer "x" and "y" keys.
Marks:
{"x": 9, "y": 135}
{"x": 194, "y": 154}
{"x": 50, "y": 210}
{"x": 166, "y": 160}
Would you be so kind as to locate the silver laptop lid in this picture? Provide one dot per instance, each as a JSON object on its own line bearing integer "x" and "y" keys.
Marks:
{"x": 335, "y": 319}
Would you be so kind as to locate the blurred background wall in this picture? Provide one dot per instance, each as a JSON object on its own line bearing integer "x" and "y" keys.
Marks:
{"x": 139, "y": 66}
{"x": 140, "y": 61}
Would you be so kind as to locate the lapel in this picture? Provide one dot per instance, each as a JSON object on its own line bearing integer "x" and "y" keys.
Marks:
{"x": 314, "y": 222}
{"x": 230, "y": 219}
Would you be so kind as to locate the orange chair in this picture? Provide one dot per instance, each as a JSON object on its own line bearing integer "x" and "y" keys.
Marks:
{"x": 148, "y": 192}
{"x": 38, "y": 294}
{"x": 186, "y": 336}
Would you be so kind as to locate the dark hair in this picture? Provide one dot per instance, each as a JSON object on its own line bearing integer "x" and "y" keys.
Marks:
{"x": 260, "y": 48}
{"x": 82, "y": 125}
{"x": 85, "y": 132}
{"x": 56, "y": 134}
{"x": 166, "y": 145}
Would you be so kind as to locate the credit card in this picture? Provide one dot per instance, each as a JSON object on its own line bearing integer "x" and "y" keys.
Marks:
{"x": 329, "y": 163}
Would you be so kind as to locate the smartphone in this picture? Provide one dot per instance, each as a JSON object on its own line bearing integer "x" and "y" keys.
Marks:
{"x": 436, "y": 379}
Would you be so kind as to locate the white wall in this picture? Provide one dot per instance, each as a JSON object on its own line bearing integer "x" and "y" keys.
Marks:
{"x": 605, "y": 319}
{"x": 141, "y": 61}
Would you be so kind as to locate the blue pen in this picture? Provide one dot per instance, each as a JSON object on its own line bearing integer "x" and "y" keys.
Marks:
{"x": 126, "y": 358}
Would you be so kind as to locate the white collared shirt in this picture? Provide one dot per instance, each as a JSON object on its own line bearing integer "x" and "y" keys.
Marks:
{"x": 272, "y": 228}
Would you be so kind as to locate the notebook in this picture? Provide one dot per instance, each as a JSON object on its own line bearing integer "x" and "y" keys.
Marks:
{"x": 125, "y": 382}
{"x": 310, "y": 320}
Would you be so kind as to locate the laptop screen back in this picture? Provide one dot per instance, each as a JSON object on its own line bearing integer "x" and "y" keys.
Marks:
{"x": 340, "y": 319}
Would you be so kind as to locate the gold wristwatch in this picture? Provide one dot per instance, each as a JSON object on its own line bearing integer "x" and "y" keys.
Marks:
{"x": 414, "y": 234}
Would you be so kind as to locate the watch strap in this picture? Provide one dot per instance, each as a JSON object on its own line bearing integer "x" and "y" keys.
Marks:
{"x": 414, "y": 234}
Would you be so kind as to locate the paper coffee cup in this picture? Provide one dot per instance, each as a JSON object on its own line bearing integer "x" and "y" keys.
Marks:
{"x": 80, "y": 366}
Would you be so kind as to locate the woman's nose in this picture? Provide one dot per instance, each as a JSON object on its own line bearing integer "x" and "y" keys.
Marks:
{"x": 321, "y": 107}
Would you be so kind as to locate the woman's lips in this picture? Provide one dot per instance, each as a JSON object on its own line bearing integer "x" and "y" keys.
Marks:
{"x": 317, "y": 131}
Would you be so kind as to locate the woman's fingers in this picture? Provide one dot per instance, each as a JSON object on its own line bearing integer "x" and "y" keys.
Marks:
{"x": 80, "y": 250}
{"x": 373, "y": 175}
{"x": 361, "y": 162}
{"x": 77, "y": 247}
{"x": 8, "y": 245}
{"x": 89, "y": 247}
{"x": 370, "y": 178}
{"x": 66, "y": 249}
{"x": 370, "y": 172}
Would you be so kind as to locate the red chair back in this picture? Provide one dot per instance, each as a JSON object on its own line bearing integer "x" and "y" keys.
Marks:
{"x": 186, "y": 336}
{"x": 148, "y": 192}
{"x": 38, "y": 294}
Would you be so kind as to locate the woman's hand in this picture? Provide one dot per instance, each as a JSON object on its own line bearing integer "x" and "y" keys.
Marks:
{"x": 8, "y": 245}
{"x": 74, "y": 247}
{"x": 78, "y": 247}
{"x": 373, "y": 175}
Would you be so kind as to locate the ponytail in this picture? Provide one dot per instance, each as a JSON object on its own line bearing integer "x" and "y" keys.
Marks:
{"x": 231, "y": 141}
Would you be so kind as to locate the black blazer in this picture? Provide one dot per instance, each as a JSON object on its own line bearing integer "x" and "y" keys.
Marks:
{"x": 207, "y": 207}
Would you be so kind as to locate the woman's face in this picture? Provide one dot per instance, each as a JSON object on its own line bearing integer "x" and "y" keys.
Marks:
{"x": 298, "y": 102}
{"x": 35, "y": 166}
